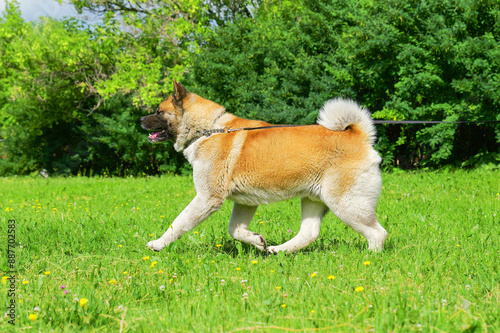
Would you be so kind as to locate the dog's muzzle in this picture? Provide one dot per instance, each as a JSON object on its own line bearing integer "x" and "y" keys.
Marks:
{"x": 159, "y": 131}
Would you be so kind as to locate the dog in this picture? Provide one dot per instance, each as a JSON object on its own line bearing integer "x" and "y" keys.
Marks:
{"x": 330, "y": 165}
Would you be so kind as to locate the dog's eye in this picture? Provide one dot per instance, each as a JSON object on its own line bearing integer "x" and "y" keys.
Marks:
{"x": 158, "y": 113}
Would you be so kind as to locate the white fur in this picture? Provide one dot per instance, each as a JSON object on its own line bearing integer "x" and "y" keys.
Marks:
{"x": 337, "y": 114}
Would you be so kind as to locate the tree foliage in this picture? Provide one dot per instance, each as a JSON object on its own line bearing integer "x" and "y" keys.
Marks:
{"x": 58, "y": 110}
{"x": 71, "y": 94}
{"x": 405, "y": 60}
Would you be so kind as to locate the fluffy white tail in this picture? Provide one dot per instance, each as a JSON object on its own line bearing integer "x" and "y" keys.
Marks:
{"x": 337, "y": 114}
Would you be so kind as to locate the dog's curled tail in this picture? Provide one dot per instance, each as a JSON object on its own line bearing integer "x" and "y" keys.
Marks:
{"x": 338, "y": 114}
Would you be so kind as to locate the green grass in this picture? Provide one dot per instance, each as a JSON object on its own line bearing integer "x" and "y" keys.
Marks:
{"x": 439, "y": 271}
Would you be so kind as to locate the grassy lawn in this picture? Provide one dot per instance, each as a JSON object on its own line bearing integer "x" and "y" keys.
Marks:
{"x": 83, "y": 240}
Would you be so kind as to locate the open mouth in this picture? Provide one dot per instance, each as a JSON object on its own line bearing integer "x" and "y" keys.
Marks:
{"x": 158, "y": 136}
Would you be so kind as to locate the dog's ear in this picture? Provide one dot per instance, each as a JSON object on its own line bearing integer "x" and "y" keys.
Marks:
{"x": 179, "y": 92}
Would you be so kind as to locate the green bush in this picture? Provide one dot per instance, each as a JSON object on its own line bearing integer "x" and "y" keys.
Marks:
{"x": 58, "y": 111}
{"x": 404, "y": 60}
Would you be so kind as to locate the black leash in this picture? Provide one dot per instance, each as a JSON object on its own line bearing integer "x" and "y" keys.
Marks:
{"x": 230, "y": 130}
{"x": 433, "y": 121}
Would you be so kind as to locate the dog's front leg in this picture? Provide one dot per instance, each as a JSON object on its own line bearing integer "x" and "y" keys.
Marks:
{"x": 196, "y": 212}
{"x": 238, "y": 226}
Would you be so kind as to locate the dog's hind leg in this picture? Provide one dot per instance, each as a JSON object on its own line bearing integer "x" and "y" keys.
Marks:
{"x": 199, "y": 209}
{"x": 356, "y": 209}
{"x": 312, "y": 214}
{"x": 355, "y": 204}
{"x": 363, "y": 220}
{"x": 238, "y": 226}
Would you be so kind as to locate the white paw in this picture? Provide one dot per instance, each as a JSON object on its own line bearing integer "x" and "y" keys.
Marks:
{"x": 260, "y": 243}
{"x": 276, "y": 249}
{"x": 156, "y": 245}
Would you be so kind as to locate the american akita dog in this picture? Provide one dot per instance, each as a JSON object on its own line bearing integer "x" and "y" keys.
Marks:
{"x": 330, "y": 165}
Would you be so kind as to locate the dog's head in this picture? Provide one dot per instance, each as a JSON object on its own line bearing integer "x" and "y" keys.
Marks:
{"x": 181, "y": 118}
{"x": 164, "y": 124}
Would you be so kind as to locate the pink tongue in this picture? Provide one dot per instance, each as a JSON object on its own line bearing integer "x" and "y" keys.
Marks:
{"x": 153, "y": 135}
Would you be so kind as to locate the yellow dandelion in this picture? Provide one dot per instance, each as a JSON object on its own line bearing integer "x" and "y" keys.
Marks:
{"x": 458, "y": 245}
{"x": 153, "y": 264}
{"x": 218, "y": 245}
{"x": 196, "y": 232}
{"x": 171, "y": 280}
{"x": 120, "y": 245}
{"x": 278, "y": 288}
{"x": 312, "y": 311}
{"x": 113, "y": 281}
{"x": 32, "y": 316}
{"x": 238, "y": 269}
{"x": 4, "y": 279}
{"x": 160, "y": 271}
{"x": 145, "y": 258}
{"x": 283, "y": 306}
{"x": 151, "y": 235}
{"x": 254, "y": 262}
{"x": 125, "y": 273}
{"x": 366, "y": 263}
{"x": 46, "y": 273}
{"x": 314, "y": 274}
{"x": 330, "y": 277}
{"x": 359, "y": 289}
{"x": 25, "y": 281}
{"x": 83, "y": 302}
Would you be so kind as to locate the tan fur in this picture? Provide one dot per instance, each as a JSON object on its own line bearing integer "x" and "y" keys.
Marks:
{"x": 326, "y": 168}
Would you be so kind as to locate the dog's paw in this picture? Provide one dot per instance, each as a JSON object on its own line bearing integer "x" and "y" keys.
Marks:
{"x": 156, "y": 245}
{"x": 260, "y": 242}
{"x": 276, "y": 249}
{"x": 263, "y": 242}
{"x": 272, "y": 250}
